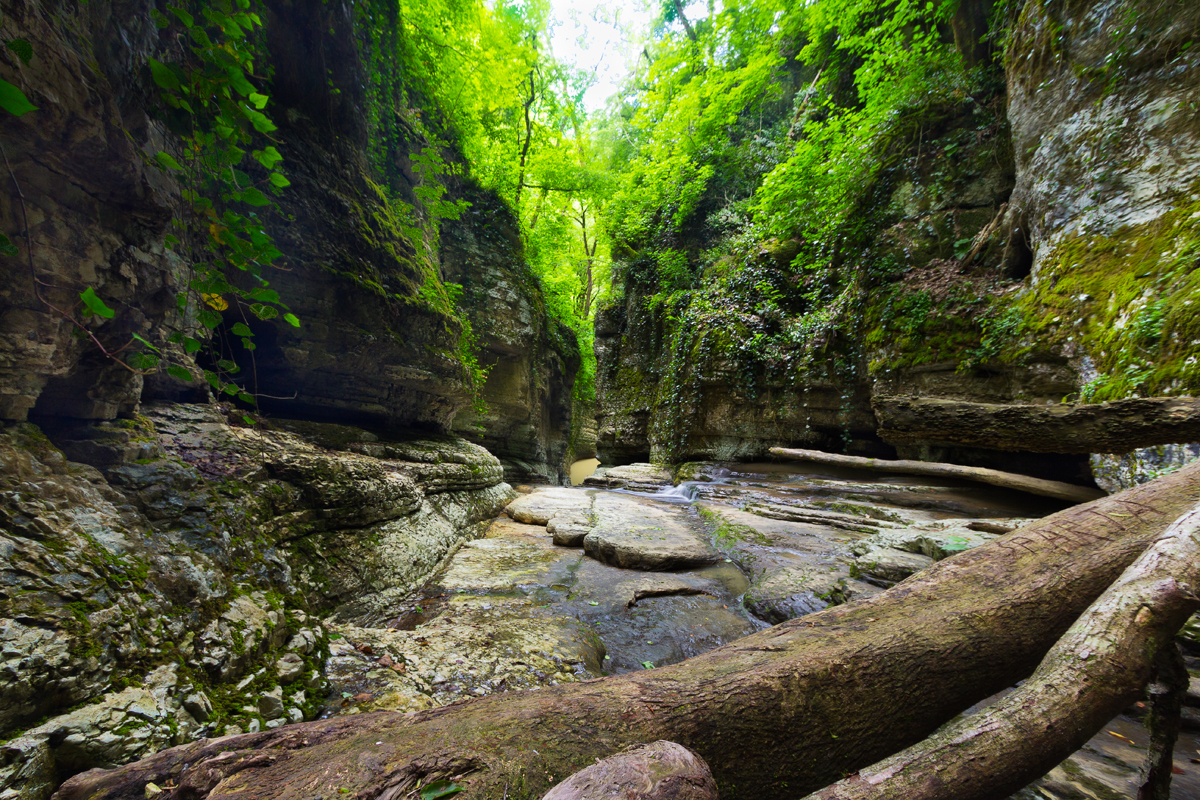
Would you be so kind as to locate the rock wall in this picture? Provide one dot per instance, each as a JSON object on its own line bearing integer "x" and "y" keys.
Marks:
{"x": 372, "y": 347}
{"x": 1077, "y": 177}
{"x": 169, "y": 592}
{"x": 526, "y": 414}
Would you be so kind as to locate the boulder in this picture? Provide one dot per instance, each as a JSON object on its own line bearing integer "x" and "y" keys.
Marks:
{"x": 658, "y": 771}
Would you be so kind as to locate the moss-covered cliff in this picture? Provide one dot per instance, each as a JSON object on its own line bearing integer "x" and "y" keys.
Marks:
{"x": 1021, "y": 228}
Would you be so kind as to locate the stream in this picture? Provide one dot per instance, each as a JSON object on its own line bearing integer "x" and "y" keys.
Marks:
{"x": 629, "y": 571}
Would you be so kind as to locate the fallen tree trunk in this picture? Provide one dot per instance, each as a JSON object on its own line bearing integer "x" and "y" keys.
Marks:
{"x": 1098, "y": 668}
{"x": 778, "y": 714}
{"x": 1117, "y": 427}
{"x": 1008, "y": 480}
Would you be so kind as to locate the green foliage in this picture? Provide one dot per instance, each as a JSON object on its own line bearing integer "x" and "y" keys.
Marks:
{"x": 227, "y": 170}
{"x": 13, "y": 100}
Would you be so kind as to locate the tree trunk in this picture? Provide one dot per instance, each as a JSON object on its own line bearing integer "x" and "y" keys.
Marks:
{"x": 1098, "y": 668}
{"x": 778, "y": 714}
{"x": 1008, "y": 480}
{"x": 1116, "y": 427}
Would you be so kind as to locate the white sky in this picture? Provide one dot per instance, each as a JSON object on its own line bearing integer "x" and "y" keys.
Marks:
{"x": 605, "y": 37}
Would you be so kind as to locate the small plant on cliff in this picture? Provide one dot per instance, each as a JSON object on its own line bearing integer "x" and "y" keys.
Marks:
{"x": 217, "y": 113}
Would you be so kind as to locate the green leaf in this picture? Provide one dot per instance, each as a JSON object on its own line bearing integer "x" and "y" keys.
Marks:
{"x": 648, "y": 664}
{"x": 191, "y": 345}
{"x": 7, "y": 248}
{"x": 184, "y": 17}
{"x": 248, "y": 420}
{"x": 176, "y": 371}
{"x": 263, "y": 312}
{"x": 240, "y": 329}
{"x": 143, "y": 341}
{"x": 259, "y": 100}
{"x": 291, "y": 319}
{"x": 13, "y": 100}
{"x": 247, "y": 398}
{"x": 95, "y": 304}
{"x": 163, "y": 75}
{"x": 268, "y": 157}
{"x": 167, "y": 162}
{"x": 254, "y": 197}
{"x": 22, "y": 48}
{"x": 277, "y": 180}
{"x": 439, "y": 789}
{"x": 264, "y": 295}
{"x": 228, "y": 366}
{"x": 261, "y": 122}
{"x": 209, "y": 318}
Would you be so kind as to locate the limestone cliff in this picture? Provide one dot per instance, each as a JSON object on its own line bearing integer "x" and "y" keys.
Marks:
{"x": 1033, "y": 243}
{"x": 372, "y": 346}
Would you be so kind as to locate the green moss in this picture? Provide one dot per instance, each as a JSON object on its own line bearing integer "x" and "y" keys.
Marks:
{"x": 1130, "y": 300}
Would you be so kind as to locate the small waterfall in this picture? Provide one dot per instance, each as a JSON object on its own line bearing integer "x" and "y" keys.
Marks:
{"x": 683, "y": 493}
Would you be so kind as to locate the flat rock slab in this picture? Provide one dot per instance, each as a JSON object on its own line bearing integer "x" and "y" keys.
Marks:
{"x": 542, "y": 505}
{"x": 632, "y": 534}
{"x": 635, "y": 477}
{"x": 478, "y": 646}
{"x": 658, "y": 771}
{"x": 512, "y": 558}
{"x": 891, "y": 566}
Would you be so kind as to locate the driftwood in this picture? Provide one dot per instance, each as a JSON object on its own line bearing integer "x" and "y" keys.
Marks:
{"x": 1094, "y": 671}
{"x": 1117, "y": 427}
{"x": 778, "y": 714}
{"x": 1008, "y": 480}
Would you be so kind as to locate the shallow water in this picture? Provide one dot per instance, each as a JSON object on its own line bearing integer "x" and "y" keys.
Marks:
{"x": 582, "y": 468}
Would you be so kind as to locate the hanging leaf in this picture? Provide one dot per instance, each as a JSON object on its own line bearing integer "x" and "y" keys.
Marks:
{"x": 7, "y": 248}
{"x": 163, "y": 75}
{"x": 167, "y": 162}
{"x": 240, "y": 329}
{"x": 292, "y": 320}
{"x": 176, "y": 371}
{"x": 95, "y": 304}
{"x": 215, "y": 301}
{"x": 13, "y": 100}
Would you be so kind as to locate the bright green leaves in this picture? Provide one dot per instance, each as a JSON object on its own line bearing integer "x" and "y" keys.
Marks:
{"x": 167, "y": 161}
{"x": 94, "y": 305}
{"x": 13, "y": 100}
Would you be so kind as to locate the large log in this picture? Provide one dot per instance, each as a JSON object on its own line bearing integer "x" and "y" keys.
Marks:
{"x": 1008, "y": 480}
{"x": 1097, "y": 669}
{"x": 778, "y": 714}
{"x": 1116, "y": 427}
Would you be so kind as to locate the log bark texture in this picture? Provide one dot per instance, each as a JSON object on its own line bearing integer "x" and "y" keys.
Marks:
{"x": 1098, "y": 668}
{"x": 1008, "y": 480}
{"x": 778, "y": 714}
{"x": 1116, "y": 427}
